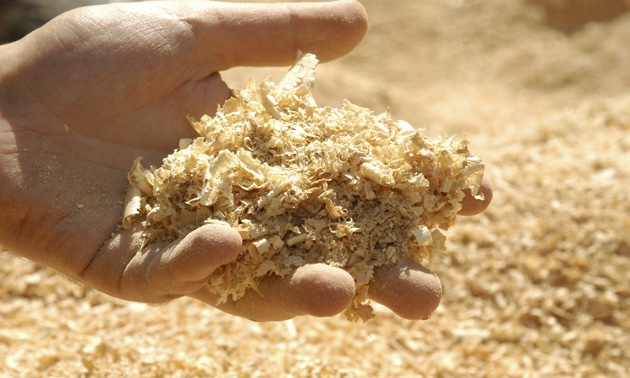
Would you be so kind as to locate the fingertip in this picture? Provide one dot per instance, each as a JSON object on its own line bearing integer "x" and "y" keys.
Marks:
{"x": 221, "y": 243}
{"x": 321, "y": 290}
{"x": 193, "y": 259}
{"x": 474, "y": 206}
{"x": 408, "y": 289}
{"x": 352, "y": 27}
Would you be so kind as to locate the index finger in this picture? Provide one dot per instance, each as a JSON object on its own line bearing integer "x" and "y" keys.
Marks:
{"x": 231, "y": 35}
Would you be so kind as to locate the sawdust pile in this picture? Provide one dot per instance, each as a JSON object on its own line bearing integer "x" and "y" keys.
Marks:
{"x": 306, "y": 184}
{"x": 535, "y": 286}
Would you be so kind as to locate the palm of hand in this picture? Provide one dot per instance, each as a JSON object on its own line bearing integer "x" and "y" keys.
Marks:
{"x": 103, "y": 97}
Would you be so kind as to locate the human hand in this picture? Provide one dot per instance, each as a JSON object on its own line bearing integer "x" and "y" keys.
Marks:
{"x": 83, "y": 96}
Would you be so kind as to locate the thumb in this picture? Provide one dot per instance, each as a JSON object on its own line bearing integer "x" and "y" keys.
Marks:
{"x": 160, "y": 272}
{"x": 231, "y": 35}
{"x": 185, "y": 265}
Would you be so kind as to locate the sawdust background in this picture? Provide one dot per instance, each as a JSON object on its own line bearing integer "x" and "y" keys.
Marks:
{"x": 536, "y": 286}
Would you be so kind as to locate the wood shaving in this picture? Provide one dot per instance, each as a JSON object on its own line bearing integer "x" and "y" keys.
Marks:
{"x": 306, "y": 184}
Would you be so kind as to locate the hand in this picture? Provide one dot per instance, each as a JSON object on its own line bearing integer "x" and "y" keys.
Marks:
{"x": 83, "y": 96}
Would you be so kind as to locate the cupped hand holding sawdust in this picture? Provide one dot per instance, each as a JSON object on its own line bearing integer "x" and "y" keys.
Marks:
{"x": 86, "y": 94}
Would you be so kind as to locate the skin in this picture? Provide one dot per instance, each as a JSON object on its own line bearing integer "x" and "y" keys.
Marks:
{"x": 84, "y": 95}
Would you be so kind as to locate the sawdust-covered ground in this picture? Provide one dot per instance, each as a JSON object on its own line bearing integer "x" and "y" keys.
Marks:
{"x": 536, "y": 286}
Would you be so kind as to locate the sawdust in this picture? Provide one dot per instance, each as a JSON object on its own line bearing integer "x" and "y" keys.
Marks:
{"x": 305, "y": 184}
{"x": 535, "y": 286}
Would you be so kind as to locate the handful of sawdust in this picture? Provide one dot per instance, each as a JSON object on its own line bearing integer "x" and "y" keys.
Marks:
{"x": 305, "y": 184}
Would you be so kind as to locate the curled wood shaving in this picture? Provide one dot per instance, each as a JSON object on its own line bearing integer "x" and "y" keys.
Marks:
{"x": 306, "y": 184}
